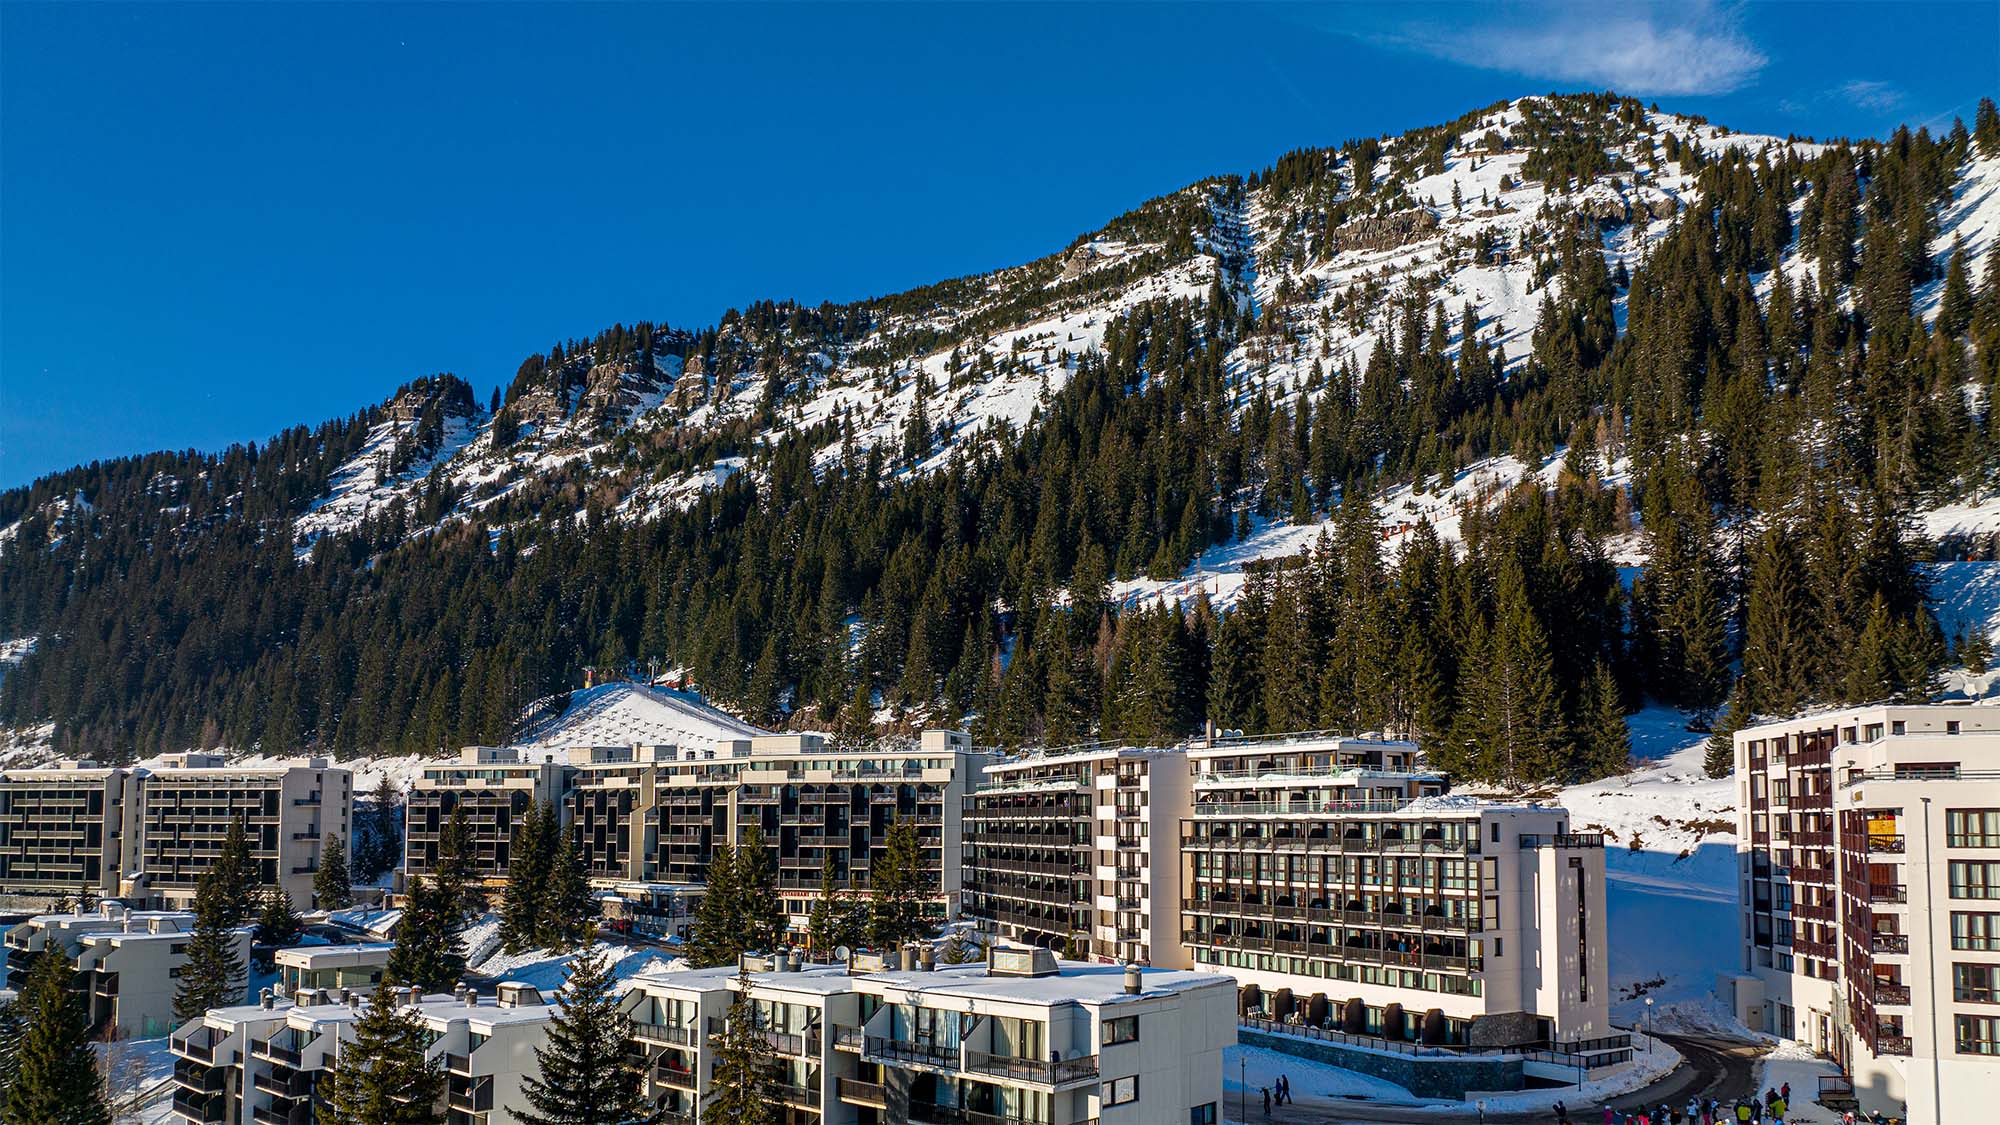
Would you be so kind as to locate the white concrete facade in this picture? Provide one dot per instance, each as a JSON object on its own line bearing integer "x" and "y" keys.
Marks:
{"x": 1023, "y": 1037}
{"x": 1869, "y": 876}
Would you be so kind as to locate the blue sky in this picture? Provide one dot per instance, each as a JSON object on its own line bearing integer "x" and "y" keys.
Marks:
{"x": 217, "y": 221}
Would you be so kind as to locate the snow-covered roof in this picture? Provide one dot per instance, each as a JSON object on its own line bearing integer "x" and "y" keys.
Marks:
{"x": 629, "y": 714}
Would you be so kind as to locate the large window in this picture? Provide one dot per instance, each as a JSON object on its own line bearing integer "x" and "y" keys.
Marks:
{"x": 1972, "y": 828}
{"x": 1120, "y": 1091}
{"x": 1978, "y": 1035}
{"x": 1975, "y": 879}
{"x": 1975, "y": 984}
{"x": 1978, "y": 932}
{"x": 1122, "y": 1030}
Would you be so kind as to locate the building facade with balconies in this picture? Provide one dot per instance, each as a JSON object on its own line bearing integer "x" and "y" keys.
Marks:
{"x": 1869, "y": 869}
{"x": 495, "y": 786}
{"x": 187, "y": 803}
{"x": 1021, "y": 1039}
{"x": 1078, "y": 850}
{"x": 129, "y": 975}
{"x": 1334, "y": 880}
{"x": 65, "y": 830}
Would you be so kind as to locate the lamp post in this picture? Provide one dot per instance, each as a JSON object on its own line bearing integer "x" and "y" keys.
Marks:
{"x": 1243, "y": 1082}
{"x": 1649, "y": 1025}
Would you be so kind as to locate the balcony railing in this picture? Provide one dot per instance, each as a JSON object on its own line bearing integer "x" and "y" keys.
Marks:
{"x": 199, "y": 1077}
{"x": 198, "y": 1044}
{"x": 1896, "y": 893}
{"x": 458, "y": 1064}
{"x": 856, "y": 1092}
{"x": 1886, "y": 992}
{"x": 796, "y": 1095}
{"x": 879, "y": 1047}
{"x": 679, "y": 1077}
{"x": 1890, "y": 844}
{"x": 925, "y": 1114}
{"x": 1893, "y": 1045}
{"x": 1039, "y": 1072}
{"x": 848, "y": 1038}
{"x": 202, "y": 1108}
{"x": 1889, "y": 943}
{"x": 672, "y": 1035}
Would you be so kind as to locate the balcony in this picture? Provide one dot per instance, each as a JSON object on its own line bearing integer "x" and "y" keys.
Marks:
{"x": 204, "y": 1109}
{"x": 798, "y": 1044}
{"x": 198, "y": 1045}
{"x": 104, "y": 984}
{"x": 847, "y": 1038}
{"x": 1889, "y": 943}
{"x": 1887, "y": 992}
{"x": 1893, "y": 1045}
{"x": 283, "y": 1084}
{"x": 877, "y": 1048}
{"x": 199, "y": 1077}
{"x": 287, "y": 1047}
{"x": 673, "y": 1074}
{"x": 802, "y": 1096}
{"x": 669, "y": 1034}
{"x": 271, "y": 1115}
{"x": 1037, "y": 1072}
{"x": 1888, "y": 894}
{"x": 853, "y": 1091}
{"x": 458, "y": 1064}
{"x": 921, "y": 1114}
{"x": 475, "y": 1096}
{"x": 1891, "y": 845}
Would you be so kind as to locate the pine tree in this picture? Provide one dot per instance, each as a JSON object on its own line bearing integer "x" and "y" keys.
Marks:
{"x": 381, "y": 846}
{"x": 428, "y": 951}
{"x": 1777, "y": 627}
{"x": 332, "y": 889}
{"x": 1955, "y": 306}
{"x": 899, "y": 888}
{"x": 831, "y": 922}
{"x": 278, "y": 923}
{"x": 213, "y": 973}
{"x": 522, "y": 904}
{"x": 741, "y": 1087}
{"x": 1720, "y": 760}
{"x": 584, "y": 1076}
{"x": 761, "y": 913}
{"x": 233, "y": 879}
{"x": 717, "y": 938}
{"x": 1607, "y": 739}
{"x": 382, "y": 1077}
{"x": 566, "y": 904}
{"x": 54, "y": 1080}
{"x": 453, "y": 873}
{"x": 10, "y": 1047}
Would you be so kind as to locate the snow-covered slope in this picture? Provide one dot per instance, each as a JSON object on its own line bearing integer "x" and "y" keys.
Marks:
{"x": 627, "y": 714}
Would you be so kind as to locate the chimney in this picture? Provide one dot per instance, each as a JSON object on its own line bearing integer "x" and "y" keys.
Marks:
{"x": 927, "y": 958}
{"x": 415, "y": 996}
{"x": 265, "y": 1000}
{"x": 1132, "y": 978}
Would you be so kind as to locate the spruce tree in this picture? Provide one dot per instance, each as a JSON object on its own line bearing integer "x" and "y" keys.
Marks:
{"x": 762, "y": 920}
{"x": 332, "y": 889}
{"x": 54, "y": 1079}
{"x": 453, "y": 872}
{"x": 522, "y": 904}
{"x": 1720, "y": 759}
{"x": 277, "y": 922}
{"x": 10, "y": 1047}
{"x": 585, "y": 1078}
{"x": 1607, "y": 739}
{"x": 566, "y": 904}
{"x": 830, "y": 924}
{"x": 213, "y": 974}
{"x": 899, "y": 886}
{"x": 741, "y": 1089}
{"x": 382, "y": 1077}
{"x": 381, "y": 847}
{"x": 428, "y": 951}
{"x": 717, "y": 937}
{"x": 233, "y": 880}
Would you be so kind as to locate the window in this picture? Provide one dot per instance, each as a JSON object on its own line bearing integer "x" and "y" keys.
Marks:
{"x": 1972, "y": 828}
{"x": 1975, "y": 879}
{"x": 1975, "y": 984}
{"x": 1978, "y": 932}
{"x": 1202, "y": 1115}
{"x": 1978, "y": 1035}
{"x": 1496, "y": 831}
{"x": 1122, "y": 1030}
{"x": 1898, "y": 727}
{"x": 1121, "y": 1091}
{"x": 1951, "y": 727}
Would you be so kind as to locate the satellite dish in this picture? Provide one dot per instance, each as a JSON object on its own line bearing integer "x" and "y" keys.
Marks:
{"x": 842, "y": 953}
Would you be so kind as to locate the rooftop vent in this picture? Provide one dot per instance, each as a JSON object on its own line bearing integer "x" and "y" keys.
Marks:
{"x": 1132, "y": 979}
{"x": 1035, "y": 962}
{"x": 518, "y": 994}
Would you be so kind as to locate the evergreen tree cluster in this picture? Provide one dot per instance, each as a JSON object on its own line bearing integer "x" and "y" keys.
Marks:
{"x": 1777, "y": 427}
{"x": 547, "y": 904}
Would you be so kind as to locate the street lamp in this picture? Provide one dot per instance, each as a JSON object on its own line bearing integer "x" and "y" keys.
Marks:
{"x": 1649, "y": 1025}
{"x": 1243, "y": 1082}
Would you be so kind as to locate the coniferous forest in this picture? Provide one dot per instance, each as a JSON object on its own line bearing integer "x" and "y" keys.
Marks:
{"x": 1762, "y": 438}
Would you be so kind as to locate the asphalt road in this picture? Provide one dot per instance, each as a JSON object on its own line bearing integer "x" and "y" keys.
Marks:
{"x": 1710, "y": 1068}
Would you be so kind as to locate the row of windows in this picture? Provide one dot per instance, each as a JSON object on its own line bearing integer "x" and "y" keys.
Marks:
{"x": 1972, "y": 828}
{"x": 1340, "y": 970}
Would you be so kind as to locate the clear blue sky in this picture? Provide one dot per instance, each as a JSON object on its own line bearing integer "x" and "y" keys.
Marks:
{"x": 216, "y": 221}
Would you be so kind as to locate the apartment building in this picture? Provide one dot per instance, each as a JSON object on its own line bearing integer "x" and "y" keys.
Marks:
{"x": 128, "y": 962}
{"x": 1020, "y": 1038}
{"x": 1078, "y": 850}
{"x": 63, "y": 830}
{"x": 495, "y": 786}
{"x": 186, "y": 806}
{"x": 1339, "y": 886}
{"x": 316, "y": 968}
{"x": 611, "y": 811}
{"x": 265, "y": 1062}
{"x": 1869, "y": 868}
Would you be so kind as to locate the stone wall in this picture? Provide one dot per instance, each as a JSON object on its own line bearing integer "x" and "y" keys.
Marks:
{"x": 1427, "y": 1076}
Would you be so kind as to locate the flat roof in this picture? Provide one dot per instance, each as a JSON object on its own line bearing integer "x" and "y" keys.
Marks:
{"x": 1082, "y": 982}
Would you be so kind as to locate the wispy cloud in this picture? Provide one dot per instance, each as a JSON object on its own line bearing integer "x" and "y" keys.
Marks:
{"x": 1881, "y": 97}
{"x": 1639, "y": 49}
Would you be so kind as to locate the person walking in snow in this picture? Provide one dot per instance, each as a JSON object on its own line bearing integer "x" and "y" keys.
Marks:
{"x": 1694, "y": 1112}
{"x": 1267, "y": 1102}
{"x": 1562, "y": 1113}
{"x": 1785, "y": 1092}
